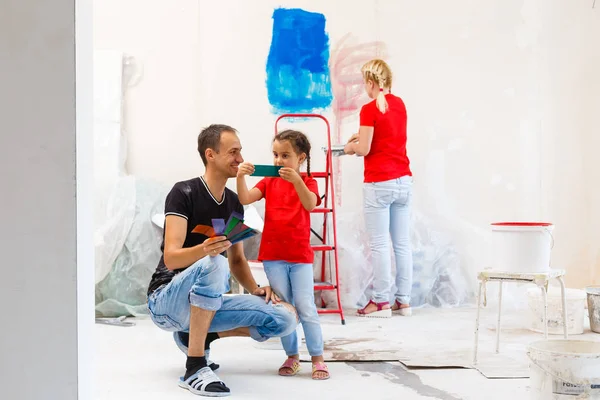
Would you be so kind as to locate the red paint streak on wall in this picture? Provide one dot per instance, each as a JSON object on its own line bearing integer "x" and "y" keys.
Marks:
{"x": 347, "y": 57}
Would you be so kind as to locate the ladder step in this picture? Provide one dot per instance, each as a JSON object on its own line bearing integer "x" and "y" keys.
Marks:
{"x": 329, "y": 311}
{"x": 324, "y": 286}
{"x": 316, "y": 174}
{"x": 322, "y": 210}
{"x": 322, "y": 247}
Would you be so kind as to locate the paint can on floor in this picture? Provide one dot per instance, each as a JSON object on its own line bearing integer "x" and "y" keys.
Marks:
{"x": 564, "y": 369}
{"x": 593, "y": 300}
{"x": 575, "y": 310}
{"x": 521, "y": 246}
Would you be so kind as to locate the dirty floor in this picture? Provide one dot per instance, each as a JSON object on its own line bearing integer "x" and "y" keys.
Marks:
{"x": 142, "y": 362}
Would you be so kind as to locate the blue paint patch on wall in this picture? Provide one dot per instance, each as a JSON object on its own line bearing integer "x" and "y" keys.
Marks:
{"x": 298, "y": 63}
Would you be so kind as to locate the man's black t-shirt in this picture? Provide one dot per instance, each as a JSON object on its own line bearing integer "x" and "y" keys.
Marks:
{"x": 193, "y": 201}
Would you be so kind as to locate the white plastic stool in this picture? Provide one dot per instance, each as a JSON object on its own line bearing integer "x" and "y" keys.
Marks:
{"x": 541, "y": 279}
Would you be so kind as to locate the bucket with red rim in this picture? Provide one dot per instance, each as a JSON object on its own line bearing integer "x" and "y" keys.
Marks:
{"x": 522, "y": 246}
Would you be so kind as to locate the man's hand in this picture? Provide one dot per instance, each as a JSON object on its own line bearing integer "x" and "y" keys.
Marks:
{"x": 245, "y": 168}
{"x": 268, "y": 293}
{"x": 290, "y": 175}
{"x": 216, "y": 245}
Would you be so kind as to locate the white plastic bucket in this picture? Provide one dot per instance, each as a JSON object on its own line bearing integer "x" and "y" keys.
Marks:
{"x": 564, "y": 369}
{"x": 521, "y": 246}
{"x": 576, "y": 299}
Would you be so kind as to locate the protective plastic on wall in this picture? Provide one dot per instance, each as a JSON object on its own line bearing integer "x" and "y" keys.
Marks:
{"x": 133, "y": 241}
{"x": 439, "y": 279}
{"x": 114, "y": 197}
{"x": 114, "y": 217}
{"x": 123, "y": 290}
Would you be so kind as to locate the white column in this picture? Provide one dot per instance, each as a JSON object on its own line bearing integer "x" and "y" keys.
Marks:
{"x": 46, "y": 252}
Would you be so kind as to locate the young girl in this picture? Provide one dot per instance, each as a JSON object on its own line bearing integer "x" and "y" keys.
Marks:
{"x": 387, "y": 190}
{"x": 285, "y": 246}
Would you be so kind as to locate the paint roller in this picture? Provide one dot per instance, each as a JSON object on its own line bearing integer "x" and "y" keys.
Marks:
{"x": 337, "y": 150}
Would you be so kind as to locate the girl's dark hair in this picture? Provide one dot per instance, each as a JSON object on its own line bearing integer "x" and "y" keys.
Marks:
{"x": 299, "y": 143}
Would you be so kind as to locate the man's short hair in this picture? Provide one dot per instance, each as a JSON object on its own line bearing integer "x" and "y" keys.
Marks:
{"x": 210, "y": 138}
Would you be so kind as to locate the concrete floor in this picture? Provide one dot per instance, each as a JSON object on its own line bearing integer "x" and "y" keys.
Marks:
{"x": 142, "y": 362}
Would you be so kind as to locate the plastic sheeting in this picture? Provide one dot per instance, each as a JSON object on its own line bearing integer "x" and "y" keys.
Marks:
{"x": 127, "y": 244}
{"x": 130, "y": 234}
{"x": 130, "y": 243}
{"x": 109, "y": 162}
{"x": 116, "y": 214}
{"x": 439, "y": 278}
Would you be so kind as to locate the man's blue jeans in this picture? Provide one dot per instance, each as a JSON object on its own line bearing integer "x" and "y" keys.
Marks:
{"x": 203, "y": 285}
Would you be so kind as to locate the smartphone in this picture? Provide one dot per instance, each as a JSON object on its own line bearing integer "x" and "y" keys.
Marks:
{"x": 266, "y": 170}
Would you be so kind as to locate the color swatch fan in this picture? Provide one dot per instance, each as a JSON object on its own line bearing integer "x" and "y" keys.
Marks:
{"x": 234, "y": 230}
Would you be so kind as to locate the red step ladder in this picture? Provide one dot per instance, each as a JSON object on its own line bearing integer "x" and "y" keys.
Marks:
{"x": 326, "y": 208}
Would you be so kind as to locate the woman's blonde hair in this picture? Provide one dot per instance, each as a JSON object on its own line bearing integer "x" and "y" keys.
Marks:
{"x": 379, "y": 72}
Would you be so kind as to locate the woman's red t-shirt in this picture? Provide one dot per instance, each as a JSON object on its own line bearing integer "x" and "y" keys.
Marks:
{"x": 387, "y": 158}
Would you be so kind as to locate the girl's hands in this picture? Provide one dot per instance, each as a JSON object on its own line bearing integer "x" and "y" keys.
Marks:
{"x": 245, "y": 168}
{"x": 290, "y": 175}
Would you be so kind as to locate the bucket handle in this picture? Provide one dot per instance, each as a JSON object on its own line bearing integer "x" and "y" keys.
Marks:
{"x": 555, "y": 377}
{"x": 551, "y": 237}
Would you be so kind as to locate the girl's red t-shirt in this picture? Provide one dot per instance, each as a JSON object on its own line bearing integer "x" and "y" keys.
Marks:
{"x": 286, "y": 234}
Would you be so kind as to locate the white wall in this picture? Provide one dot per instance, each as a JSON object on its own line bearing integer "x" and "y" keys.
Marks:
{"x": 45, "y": 242}
{"x": 571, "y": 95}
{"x": 501, "y": 97}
